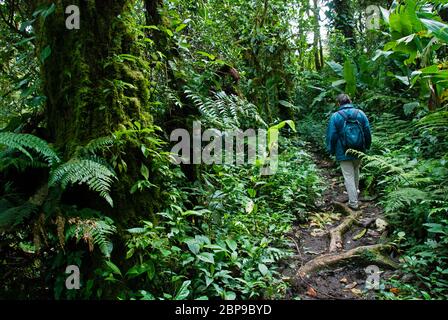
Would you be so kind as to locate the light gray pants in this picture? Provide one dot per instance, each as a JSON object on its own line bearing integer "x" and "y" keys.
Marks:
{"x": 350, "y": 170}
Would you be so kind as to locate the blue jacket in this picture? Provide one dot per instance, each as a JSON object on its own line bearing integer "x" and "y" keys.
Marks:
{"x": 334, "y": 144}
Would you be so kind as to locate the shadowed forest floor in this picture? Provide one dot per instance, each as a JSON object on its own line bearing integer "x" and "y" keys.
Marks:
{"x": 346, "y": 280}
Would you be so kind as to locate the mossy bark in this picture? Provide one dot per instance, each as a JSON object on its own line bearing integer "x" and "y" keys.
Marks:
{"x": 344, "y": 20}
{"x": 85, "y": 82}
{"x": 91, "y": 91}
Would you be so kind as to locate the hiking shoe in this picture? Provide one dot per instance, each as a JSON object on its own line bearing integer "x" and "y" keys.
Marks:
{"x": 353, "y": 207}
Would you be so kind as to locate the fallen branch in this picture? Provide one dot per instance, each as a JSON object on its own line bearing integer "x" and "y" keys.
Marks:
{"x": 372, "y": 253}
{"x": 337, "y": 233}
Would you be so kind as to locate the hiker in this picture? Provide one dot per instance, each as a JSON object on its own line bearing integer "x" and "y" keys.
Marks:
{"x": 348, "y": 129}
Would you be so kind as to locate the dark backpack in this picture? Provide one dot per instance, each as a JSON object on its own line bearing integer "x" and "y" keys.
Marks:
{"x": 352, "y": 134}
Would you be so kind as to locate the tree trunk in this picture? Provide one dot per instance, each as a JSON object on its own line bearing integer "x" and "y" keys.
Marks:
{"x": 344, "y": 20}
{"x": 91, "y": 91}
{"x": 84, "y": 80}
{"x": 317, "y": 39}
{"x": 153, "y": 18}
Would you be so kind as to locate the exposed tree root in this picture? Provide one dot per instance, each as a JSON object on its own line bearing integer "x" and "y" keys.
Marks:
{"x": 373, "y": 253}
{"x": 337, "y": 233}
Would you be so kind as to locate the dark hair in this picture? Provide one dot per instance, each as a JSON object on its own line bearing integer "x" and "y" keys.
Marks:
{"x": 343, "y": 99}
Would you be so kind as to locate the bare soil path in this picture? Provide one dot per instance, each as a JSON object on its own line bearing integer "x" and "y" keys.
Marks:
{"x": 336, "y": 245}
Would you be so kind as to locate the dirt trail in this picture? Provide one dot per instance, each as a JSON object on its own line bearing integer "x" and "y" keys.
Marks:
{"x": 344, "y": 280}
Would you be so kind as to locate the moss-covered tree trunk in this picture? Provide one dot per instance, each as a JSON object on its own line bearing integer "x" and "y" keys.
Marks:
{"x": 91, "y": 89}
{"x": 85, "y": 81}
{"x": 344, "y": 21}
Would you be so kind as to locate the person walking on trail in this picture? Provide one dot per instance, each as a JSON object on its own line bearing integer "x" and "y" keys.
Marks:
{"x": 349, "y": 128}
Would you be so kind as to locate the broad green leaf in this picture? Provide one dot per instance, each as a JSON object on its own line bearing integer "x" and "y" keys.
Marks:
{"x": 151, "y": 27}
{"x": 45, "y": 53}
{"x": 136, "y": 230}
{"x": 193, "y": 245}
{"x": 229, "y": 295}
{"x": 263, "y": 269}
{"x": 403, "y": 79}
{"x": 206, "y": 257}
{"x": 215, "y": 248}
{"x": 202, "y": 239}
{"x": 280, "y": 125}
{"x": 183, "y": 292}
{"x": 252, "y": 193}
{"x": 146, "y": 295}
{"x": 205, "y": 54}
{"x": 386, "y": 14}
{"x": 144, "y": 171}
{"x": 381, "y": 53}
{"x": 338, "y": 83}
{"x": 336, "y": 67}
{"x": 439, "y": 29}
{"x": 137, "y": 270}
{"x": 430, "y": 69}
{"x": 231, "y": 244}
{"x": 181, "y": 27}
{"x": 436, "y": 228}
{"x": 198, "y": 213}
{"x": 113, "y": 267}
{"x": 287, "y": 104}
{"x": 208, "y": 281}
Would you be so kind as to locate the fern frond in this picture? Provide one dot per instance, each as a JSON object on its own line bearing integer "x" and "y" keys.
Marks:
{"x": 94, "y": 231}
{"x": 96, "y": 176}
{"x": 435, "y": 120}
{"x": 378, "y": 162}
{"x": 9, "y": 159}
{"x": 15, "y": 215}
{"x": 99, "y": 144}
{"x": 101, "y": 232}
{"x": 225, "y": 111}
{"x": 403, "y": 197}
{"x": 28, "y": 142}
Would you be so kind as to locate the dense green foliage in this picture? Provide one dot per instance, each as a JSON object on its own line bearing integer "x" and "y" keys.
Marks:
{"x": 86, "y": 176}
{"x": 401, "y": 84}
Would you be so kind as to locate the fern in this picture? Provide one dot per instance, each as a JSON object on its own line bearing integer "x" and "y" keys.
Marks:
{"x": 224, "y": 111}
{"x": 92, "y": 171}
{"x": 390, "y": 131}
{"x": 9, "y": 158}
{"x": 101, "y": 232}
{"x": 97, "y": 176}
{"x": 403, "y": 197}
{"x": 15, "y": 215}
{"x": 436, "y": 120}
{"x": 28, "y": 142}
{"x": 378, "y": 162}
{"x": 94, "y": 231}
{"x": 99, "y": 144}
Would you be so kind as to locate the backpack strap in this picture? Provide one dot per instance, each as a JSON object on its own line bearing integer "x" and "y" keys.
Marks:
{"x": 342, "y": 113}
